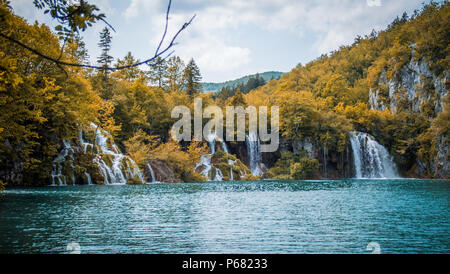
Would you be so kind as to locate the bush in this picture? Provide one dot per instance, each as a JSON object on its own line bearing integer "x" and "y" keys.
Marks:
{"x": 305, "y": 169}
{"x": 294, "y": 167}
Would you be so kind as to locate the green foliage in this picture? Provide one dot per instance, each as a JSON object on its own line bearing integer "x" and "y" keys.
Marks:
{"x": 252, "y": 83}
{"x": 291, "y": 166}
{"x": 71, "y": 16}
{"x": 105, "y": 61}
{"x": 304, "y": 169}
{"x": 192, "y": 79}
{"x": 221, "y": 160}
{"x": 157, "y": 73}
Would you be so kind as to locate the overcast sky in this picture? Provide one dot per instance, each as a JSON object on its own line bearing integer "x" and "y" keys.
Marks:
{"x": 232, "y": 38}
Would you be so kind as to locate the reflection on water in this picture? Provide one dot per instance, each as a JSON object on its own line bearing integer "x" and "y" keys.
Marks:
{"x": 340, "y": 216}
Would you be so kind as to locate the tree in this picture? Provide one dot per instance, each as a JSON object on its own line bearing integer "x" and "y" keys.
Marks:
{"x": 174, "y": 73}
{"x": 192, "y": 78}
{"x": 105, "y": 59}
{"x": 39, "y": 105}
{"x": 158, "y": 72}
{"x": 129, "y": 74}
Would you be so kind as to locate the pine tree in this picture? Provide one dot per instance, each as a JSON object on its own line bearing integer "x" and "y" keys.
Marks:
{"x": 105, "y": 59}
{"x": 157, "y": 73}
{"x": 192, "y": 78}
{"x": 129, "y": 74}
{"x": 174, "y": 73}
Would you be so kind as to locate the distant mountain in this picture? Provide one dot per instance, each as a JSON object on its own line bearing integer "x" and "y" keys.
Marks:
{"x": 267, "y": 76}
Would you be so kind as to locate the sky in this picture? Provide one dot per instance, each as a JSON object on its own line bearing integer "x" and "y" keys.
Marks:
{"x": 229, "y": 39}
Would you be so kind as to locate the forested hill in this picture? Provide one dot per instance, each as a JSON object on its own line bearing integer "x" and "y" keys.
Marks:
{"x": 70, "y": 125}
{"x": 267, "y": 76}
{"x": 392, "y": 84}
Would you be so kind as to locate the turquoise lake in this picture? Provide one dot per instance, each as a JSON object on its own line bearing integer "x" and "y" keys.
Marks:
{"x": 323, "y": 216}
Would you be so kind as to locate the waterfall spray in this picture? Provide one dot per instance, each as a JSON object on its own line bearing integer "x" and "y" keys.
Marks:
{"x": 371, "y": 159}
{"x": 254, "y": 154}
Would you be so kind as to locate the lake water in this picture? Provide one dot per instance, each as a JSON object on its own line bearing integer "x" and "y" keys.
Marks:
{"x": 341, "y": 216}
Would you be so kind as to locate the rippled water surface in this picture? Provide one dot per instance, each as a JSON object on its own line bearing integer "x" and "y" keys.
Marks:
{"x": 342, "y": 216}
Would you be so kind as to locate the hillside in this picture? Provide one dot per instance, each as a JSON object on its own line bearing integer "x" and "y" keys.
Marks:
{"x": 267, "y": 76}
{"x": 392, "y": 85}
{"x": 388, "y": 89}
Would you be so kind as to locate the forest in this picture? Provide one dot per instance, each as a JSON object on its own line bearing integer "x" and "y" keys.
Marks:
{"x": 363, "y": 87}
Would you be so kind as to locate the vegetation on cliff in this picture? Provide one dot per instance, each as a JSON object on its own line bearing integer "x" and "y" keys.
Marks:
{"x": 329, "y": 97}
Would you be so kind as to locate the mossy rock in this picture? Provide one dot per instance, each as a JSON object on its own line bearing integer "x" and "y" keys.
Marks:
{"x": 212, "y": 173}
{"x": 108, "y": 158}
{"x": 250, "y": 177}
{"x": 134, "y": 181}
{"x": 193, "y": 177}
{"x": 283, "y": 177}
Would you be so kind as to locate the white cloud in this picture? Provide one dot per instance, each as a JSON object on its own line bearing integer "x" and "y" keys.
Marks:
{"x": 374, "y": 3}
{"x": 211, "y": 37}
{"x": 138, "y": 7}
{"x": 220, "y": 38}
{"x": 216, "y": 56}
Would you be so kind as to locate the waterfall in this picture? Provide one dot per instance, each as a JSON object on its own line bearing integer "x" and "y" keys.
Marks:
{"x": 211, "y": 139}
{"x": 88, "y": 177}
{"x": 205, "y": 160}
{"x": 115, "y": 167}
{"x": 114, "y": 174}
{"x": 151, "y": 173}
{"x": 83, "y": 143}
{"x": 219, "y": 175}
{"x": 57, "y": 177}
{"x": 254, "y": 154}
{"x": 224, "y": 147}
{"x": 205, "y": 164}
{"x": 371, "y": 159}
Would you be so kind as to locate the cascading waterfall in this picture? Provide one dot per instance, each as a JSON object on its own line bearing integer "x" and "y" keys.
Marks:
{"x": 205, "y": 160}
{"x": 114, "y": 174}
{"x": 88, "y": 177}
{"x": 254, "y": 154}
{"x": 205, "y": 163}
{"x": 211, "y": 139}
{"x": 152, "y": 173}
{"x": 57, "y": 177}
{"x": 224, "y": 147}
{"x": 230, "y": 162}
{"x": 120, "y": 169}
{"x": 371, "y": 159}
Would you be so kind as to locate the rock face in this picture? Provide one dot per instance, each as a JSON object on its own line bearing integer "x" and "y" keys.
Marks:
{"x": 161, "y": 172}
{"x": 442, "y": 162}
{"x": 410, "y": 80}
{"x": 416, "y": 86}
{"x": 333, "y": 165}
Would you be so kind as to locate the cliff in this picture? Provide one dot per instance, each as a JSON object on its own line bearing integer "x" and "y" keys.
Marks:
{"x": 416, "y": 89}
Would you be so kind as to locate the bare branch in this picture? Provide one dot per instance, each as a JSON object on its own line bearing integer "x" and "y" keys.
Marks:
{"x": 158, "y": 53}
{"x": 165, "y": 28}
